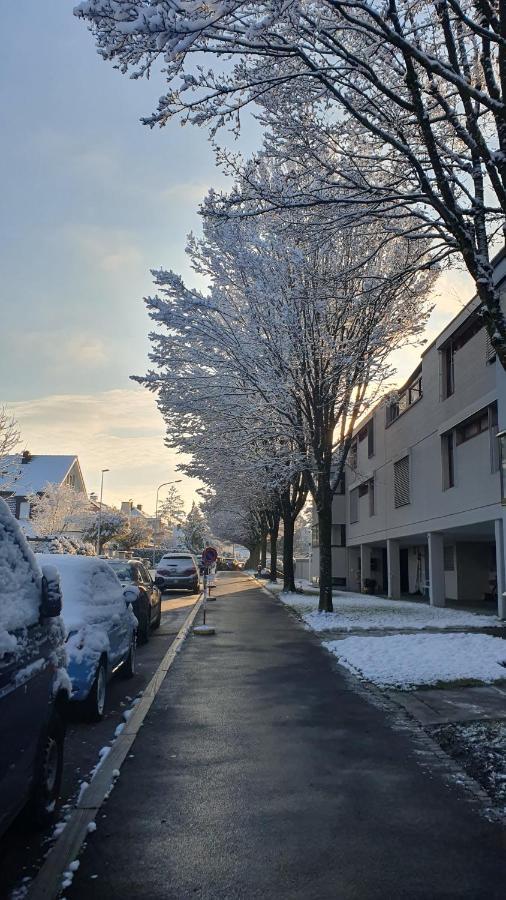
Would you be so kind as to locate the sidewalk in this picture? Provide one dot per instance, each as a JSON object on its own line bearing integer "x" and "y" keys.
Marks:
{"x": 262, "y": 771}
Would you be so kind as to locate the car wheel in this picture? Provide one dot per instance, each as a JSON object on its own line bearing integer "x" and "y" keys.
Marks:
{"x": 94, "y": 705}
{"x": 144, "y": 629}
{"x": 156, "y": 623}
{"x": 48, "y": 773}
{"x": 128, "y": 669}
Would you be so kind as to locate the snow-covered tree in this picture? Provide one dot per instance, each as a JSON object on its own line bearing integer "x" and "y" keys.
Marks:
{"x": 413, "y": 92}
{"x": 298, "y": 367}
{"x": 171, "y": 511}
{"x": 136, "y": 532}
{"x": 58, "y": 510}
{"x": 195, "y": 529}
{"x": 112, "y": 523}
{"x": 10, "y": 461}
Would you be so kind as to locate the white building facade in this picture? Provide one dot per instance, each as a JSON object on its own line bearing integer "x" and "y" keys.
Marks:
{"x": 423, "y": 507}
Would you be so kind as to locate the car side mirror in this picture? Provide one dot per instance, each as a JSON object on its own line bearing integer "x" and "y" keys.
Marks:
{"x": 130, "y": 594}
{"x": 51, "y": 596}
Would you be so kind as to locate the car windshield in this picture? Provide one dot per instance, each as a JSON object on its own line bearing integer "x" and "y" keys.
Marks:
{"x": 122, "y": 569}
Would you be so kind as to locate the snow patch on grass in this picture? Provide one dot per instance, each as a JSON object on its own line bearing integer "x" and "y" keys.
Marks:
{"x": 363, "y": 612}
{"x": 411, "y": 660}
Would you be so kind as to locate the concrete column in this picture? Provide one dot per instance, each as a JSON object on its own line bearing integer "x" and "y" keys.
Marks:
{"x": 394, "y": 569}
{"x": 365, "y": 558}
{"x": 499, "y": 560}
{"x": 436, "y": 569}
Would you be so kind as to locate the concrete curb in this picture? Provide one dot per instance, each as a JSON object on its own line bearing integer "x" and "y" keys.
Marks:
{"x": 47, "y": 884}
{"x": 429, "y": 753}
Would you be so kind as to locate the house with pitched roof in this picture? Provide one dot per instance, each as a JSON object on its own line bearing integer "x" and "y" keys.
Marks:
{"x": 35, "y": 473}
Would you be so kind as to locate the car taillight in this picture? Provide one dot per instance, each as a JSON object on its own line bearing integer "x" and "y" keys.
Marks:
{"x": 162, "y": 572}
{"x": 190, "y": 571}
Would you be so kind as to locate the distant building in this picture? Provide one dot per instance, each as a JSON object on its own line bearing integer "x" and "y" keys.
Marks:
{"x": 37, "y": 471}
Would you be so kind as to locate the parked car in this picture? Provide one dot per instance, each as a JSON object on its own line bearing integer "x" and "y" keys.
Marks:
{"x": 34, "y": 686}
{"x": 148, "y": 605}
{"x": 178, "y": 569}
{"x": 229, "y": 563}
{"x": 101, "y": 626}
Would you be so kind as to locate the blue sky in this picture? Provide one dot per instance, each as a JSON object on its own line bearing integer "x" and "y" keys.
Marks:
{"x": 91, "y": 200}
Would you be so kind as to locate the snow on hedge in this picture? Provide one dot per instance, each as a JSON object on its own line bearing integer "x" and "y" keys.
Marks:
{"x": 410, "y": 660}
{"x": 92, "y": 602}
{"x": 20, "y": 580}
{"x": 363, "y": 612}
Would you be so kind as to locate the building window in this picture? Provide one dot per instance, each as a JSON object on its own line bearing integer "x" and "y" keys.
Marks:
{"x": 363, "y": 489}
{"x": 448, "y": 371}
{"x": 392, "y": 413}
{"x": 448, "y": 460}
{"x": 362, "y": 433}
{"x": 11, "y": 503}
{"x": 372, "y": 509}
{"x": 401, "y": 482}
{"x": 354, "y": 505}
{"x": 490, "y": 354}
{"x": 410, "y": 395}
{"x": 315, "y": 536}
{"x": 449, "y": 558}
{"x": 353, "y": 455}
{"x": 472, "y": 427}
{"x": 494, "y": 443}
{"x": 339, "y": 535}
{"x": 370, "y": 438}
{"x": 340, "y": 489}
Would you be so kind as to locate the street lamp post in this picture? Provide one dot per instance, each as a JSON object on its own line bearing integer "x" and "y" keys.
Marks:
{"x": 99, "y": 527}
{"x": 164, "y": 484}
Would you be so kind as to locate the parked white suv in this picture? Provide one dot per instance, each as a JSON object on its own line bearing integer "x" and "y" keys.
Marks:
{"x": 178, "y": 569}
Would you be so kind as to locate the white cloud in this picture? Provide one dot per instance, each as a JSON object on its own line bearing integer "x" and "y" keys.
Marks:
{"x": 119, "y": 429}
{"x": 109, "y": 249}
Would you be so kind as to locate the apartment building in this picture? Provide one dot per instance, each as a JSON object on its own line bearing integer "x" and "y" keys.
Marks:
{"x": 424, "y": 511}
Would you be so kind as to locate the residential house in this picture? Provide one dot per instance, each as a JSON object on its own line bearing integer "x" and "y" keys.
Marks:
{"x": 424, "y": 498}
{"x": 35, "y": 472}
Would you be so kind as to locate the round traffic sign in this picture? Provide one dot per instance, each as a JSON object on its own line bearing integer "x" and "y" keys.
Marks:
{"x": 209, "y": 556}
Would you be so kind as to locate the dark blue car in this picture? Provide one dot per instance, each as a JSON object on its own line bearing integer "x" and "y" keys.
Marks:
{"x": 33, "y": 682}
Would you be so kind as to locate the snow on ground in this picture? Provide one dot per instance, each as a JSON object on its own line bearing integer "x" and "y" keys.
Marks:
{"x": 480, "y": 747}
{"x": 364, "y": 612}
{"x": 406, "y": 661}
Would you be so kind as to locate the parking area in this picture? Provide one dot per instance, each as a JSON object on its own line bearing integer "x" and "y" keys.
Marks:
{"x": 21, "y": 851}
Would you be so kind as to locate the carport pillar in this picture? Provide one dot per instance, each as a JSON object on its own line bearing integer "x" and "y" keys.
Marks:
{"x": 499, "y": 561}
{"x": 436, "y": 569}
{"x": 365, "y": 563}
{"x": 394, "y": 569}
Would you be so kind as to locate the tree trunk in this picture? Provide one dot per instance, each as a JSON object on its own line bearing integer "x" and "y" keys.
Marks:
{"x": 254, "y": 556}
{"x": 263, "y": 551}
{"x": 288, "y": 567}
{"x": 325, "y": 547}
{"x": 274, "y": 549}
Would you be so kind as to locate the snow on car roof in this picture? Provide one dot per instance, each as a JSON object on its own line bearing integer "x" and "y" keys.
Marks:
{"x": 91, "y": 591}
{"x": 20, "y": 579}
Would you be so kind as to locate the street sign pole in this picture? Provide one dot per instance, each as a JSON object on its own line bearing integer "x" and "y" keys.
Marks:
{"x": 209, "y": 557}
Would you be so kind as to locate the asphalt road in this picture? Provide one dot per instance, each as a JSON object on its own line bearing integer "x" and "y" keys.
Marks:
{"x": 21, "y": 851}
{"x": 261, "y": 771}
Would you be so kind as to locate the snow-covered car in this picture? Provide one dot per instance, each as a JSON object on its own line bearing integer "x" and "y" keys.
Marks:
{"x": 34, "y": 685}
{"x": 178, "y": 569}
{"x": 148, "y": 605}
{"x": 101, "y": 627}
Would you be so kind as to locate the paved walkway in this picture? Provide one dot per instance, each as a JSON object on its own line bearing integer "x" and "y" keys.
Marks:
{"x": 261, "y": 772}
